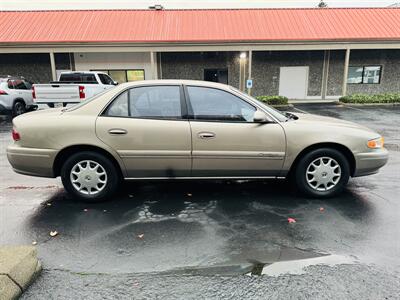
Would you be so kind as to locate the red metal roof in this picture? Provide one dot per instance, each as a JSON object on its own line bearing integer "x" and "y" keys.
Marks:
{"x": 235, "y": 25}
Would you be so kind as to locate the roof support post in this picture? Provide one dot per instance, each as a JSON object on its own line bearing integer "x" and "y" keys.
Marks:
{"x": 325, "y": 74}
{"x": 250, "y": 65}
{"x": 346, "y": 72}
{"x": 153, "y": 62}
{"x": 53, "y": 67}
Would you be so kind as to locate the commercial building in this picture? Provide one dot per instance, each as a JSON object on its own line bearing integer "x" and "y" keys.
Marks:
{"x": 300, "y": 53}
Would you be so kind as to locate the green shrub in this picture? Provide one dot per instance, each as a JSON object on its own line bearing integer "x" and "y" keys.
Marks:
{"x": 377, "y": 98}
{"x": 273, "y": 100}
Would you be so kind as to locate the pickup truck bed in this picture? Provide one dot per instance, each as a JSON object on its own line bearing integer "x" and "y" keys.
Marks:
{"x": 67, "y": 91}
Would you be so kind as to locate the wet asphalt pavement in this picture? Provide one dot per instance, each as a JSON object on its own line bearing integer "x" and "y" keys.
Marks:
{"x": 194, "y": 240}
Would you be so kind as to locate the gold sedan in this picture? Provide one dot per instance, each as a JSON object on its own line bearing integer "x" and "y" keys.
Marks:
{"x": 172, "y": 129}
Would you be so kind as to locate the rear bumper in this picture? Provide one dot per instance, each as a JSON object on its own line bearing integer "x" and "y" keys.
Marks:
{"x": 3, "y": 108}
{"x": 370, "y": 162}
{"x": 31, "y": 161}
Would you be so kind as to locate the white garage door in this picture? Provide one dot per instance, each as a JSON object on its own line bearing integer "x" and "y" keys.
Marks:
{"x": 293, "y": 82}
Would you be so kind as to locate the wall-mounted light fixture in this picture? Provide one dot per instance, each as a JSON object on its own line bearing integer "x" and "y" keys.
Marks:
{"x": 243, "y": 55}
{"x": 156, "y": 7}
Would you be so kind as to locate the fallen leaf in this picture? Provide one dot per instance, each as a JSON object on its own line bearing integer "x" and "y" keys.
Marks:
{"x": 53, "y": 233}
{"x": 140, "y": 236}
{"x": 291, "y": 220}
{"x": 34, "y": 243}
{"x": 321, "y": 209}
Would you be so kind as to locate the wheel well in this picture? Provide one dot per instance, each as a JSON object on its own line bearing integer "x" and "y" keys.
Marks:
{"x": 19, "y": 100}
{"x": 339, "y": 147}
{"x": 66, "y": 152}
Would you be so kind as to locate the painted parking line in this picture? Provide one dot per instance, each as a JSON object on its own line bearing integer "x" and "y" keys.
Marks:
{"x": 298, "y": 266}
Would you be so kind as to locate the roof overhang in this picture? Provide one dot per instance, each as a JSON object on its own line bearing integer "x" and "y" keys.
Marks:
{"x": 197, "y": 47}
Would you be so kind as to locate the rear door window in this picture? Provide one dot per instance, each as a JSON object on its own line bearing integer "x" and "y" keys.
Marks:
{"x": 28, "y": 85}
{"x": 150, "y": 102}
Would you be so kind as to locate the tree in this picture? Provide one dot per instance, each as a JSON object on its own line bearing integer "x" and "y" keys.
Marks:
{"x": 322, "y": 4}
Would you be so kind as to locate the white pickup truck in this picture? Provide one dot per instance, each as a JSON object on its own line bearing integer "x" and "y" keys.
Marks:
{"x": 72, "y": 87}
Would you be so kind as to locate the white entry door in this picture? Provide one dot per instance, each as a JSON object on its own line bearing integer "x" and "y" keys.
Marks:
{"x": 293, "y": 82}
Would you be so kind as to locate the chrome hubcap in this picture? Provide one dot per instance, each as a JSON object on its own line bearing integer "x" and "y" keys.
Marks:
{"x": 323, "y": 174}
{"x": 88, "y": 177}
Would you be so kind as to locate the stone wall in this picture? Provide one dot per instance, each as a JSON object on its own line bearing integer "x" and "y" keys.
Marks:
{"x": 191, "y": 65}
{"x": 265, "y": 71}
{"x": 34, "y": 67}
{"x": 266, "y": 68}
{"x": 390, "y": 72}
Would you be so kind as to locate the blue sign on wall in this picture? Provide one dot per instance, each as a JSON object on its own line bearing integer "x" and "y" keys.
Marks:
{"x": 249, "y": 83}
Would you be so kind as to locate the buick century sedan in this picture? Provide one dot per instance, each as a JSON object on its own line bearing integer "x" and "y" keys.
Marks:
{"x": 177, "y": 129}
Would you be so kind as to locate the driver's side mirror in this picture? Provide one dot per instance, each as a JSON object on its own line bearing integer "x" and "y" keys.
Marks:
{"x": 115, "y": 83}
{"x": 261, "y": 117}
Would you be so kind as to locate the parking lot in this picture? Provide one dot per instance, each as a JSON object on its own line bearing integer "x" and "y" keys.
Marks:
{"x": 200, "y": 239}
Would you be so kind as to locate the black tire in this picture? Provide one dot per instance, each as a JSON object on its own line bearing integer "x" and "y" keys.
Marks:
{"x": 18, "y": 108}
{"x": 300, "y": 176}
{"x": 51, "y": 105}
{"x": 111, "y": 171}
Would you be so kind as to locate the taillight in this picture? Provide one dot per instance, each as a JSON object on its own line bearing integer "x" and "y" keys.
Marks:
{"x": 15, "y": 135}
{"x": 33, "y": 92}
{"x": 81, "y": 92}
{"x": 3, "y": 92}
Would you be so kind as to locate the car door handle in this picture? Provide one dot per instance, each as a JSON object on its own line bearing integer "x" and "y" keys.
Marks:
{"x": 206, "y": 135}
{"x": 117, "y": 131}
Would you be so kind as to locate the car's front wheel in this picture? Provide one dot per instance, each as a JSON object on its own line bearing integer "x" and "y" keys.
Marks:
{"x": 90, "y": 176}
{"x": 322, "y": 173}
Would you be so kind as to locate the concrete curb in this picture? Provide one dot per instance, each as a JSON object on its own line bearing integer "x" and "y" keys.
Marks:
{"x": 369, "y": 104}
{"x": 19, "y": 267}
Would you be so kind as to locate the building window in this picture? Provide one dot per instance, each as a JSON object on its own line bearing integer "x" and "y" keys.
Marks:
{"x": 135, "y": 75}
{"x": 364, "y": 74}
{"x": 124, "y": 75}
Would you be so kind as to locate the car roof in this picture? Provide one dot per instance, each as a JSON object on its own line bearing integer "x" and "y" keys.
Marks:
{"x": 82, "y": 72}
{"x": 8, "y": 77}
{"x": 175, "y": 81}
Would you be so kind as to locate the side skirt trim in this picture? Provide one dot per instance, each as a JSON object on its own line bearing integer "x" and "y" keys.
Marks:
{"x": 208, "y": 177}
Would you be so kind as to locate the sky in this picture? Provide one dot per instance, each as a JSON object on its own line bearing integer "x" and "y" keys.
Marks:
{"x": 143, "y": 4}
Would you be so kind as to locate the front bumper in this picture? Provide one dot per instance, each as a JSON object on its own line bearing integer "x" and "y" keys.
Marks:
{"x": 31, "y": 161}
{"x": 370, "y": 162}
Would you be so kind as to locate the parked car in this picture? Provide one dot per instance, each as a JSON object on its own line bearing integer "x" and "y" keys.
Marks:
{"x": 72, "y": 87}
{"x": 15, "y": 95}
{"x": 171, "y": 129}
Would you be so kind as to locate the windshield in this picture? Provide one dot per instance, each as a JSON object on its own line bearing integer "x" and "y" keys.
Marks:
{"x": 274, "y": 112}
{"x": 86, "y": 101}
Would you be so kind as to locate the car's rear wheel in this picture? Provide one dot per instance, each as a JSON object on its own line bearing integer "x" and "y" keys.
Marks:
{"x": 90, "y": 176}
{"x": 322, "y": 173}
{"x": 18, "y": 108}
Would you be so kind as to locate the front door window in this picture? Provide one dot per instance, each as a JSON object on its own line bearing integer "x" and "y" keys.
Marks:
{"x": 216, "y": 105}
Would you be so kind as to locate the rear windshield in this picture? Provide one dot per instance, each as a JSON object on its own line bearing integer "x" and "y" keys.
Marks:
{"x": 86, "y": 101}
{"x": 78, "y": 78}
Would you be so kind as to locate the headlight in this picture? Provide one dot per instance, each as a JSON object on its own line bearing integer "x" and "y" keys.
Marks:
{"x": 375, "y": 143}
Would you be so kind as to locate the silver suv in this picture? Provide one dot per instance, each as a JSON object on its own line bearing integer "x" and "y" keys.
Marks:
{"x": 15, "y": 95}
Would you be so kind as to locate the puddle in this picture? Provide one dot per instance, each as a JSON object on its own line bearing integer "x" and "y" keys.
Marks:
{"x": 297, "y": 267}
